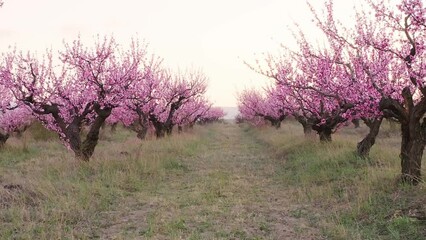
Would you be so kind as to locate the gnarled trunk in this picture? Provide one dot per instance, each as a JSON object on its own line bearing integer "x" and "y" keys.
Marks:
{"x": 113, "y": 127}
{"x": 72, "y": 135}
{"x": 159, "y": 127}
{"x": 412, "y": 147}
{"x": 141, "y": 133}
{"x": 363, "y": 147}
{"x": 141, "y": 128}
{"x": 159, "y": 130}
{"x": 307, "y": 129}
{"x": 84, "y": 150}
{"x": 92, "y": 137}
{"x": 275, "y": 121}
{"x": 355, "y": 122}
{"x": 324, "y": 132}
{"x": 169, "y": 129}
{"x": 413, "y": 132}
{"x": 325, "y": 129}
{"x": 325, "y": 135}
{"x": 3, "y": 139}
{"x": 160, "y": 133}
{"x": 276, "y": 124}
{"x": 306, "y": 124}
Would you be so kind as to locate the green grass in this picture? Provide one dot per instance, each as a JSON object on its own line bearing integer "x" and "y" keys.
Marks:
{"x": 61, "y": 198}
{"x": 356, "y": 198}
{"x": 220, "y": 181}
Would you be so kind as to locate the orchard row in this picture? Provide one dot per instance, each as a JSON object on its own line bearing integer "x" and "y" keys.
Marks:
{"x": 371, "y": 70}
{"x": 85, "y": 86}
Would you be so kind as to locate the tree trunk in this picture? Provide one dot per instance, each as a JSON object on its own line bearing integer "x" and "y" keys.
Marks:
{"x": 413, "y": 133}
{"x": 306, "y": 124}
{"x": 307, "y": 129}
{"x": 20, "y": 131}
{"x": 114, "y": 127}
{"x": 355, "y": 122}
{"x": 412, "y": 147}
{"x": 92, "y": 137}
{"x": 180, "y": 129}
{"x": 18, "y": 134}
{"x": 324, "y": 132}
{"x": 89, "y": 144}
{"x": 276, "y": 124}
{"x": 72, "y": 137}
{"x": 159, "y": 131}
{"x": 141, "y": 133}
{"x": 169, "y": 129}
{"x": 3, "y": 139}
{"x": 363, "y": 147}
{"x": 141, "y": 129}
{"x": 159, "y": 126}
{"x": 325, "y": 135}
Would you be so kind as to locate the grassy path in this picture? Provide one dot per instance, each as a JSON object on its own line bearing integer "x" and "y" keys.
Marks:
{"x": 226, "y": 190}
{"x": 217, "y": 182}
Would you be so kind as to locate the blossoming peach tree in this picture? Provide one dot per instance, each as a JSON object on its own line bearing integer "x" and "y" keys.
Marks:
{"x": 388, "y": 41}
{"x": 80, "y": 89}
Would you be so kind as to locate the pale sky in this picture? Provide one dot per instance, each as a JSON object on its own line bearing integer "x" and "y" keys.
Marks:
{"x": 216, "y": 36}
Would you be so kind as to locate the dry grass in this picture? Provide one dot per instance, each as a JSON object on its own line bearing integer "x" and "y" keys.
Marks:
{"x": 349, "y": 197}
{"x": 46, "y": 194}
{"x": 221, "y": 181}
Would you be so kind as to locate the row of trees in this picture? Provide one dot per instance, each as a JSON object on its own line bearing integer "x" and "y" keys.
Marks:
{"x": 373, "y": 69}
{"x": 84, "y": 87}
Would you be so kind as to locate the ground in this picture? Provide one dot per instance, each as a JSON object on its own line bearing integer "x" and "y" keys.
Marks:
{"x": 220, "y": 181}
{"x": 227, "y": 191}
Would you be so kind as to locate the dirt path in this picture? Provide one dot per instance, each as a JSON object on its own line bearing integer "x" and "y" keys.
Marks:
{"x": 228, "y": 191}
